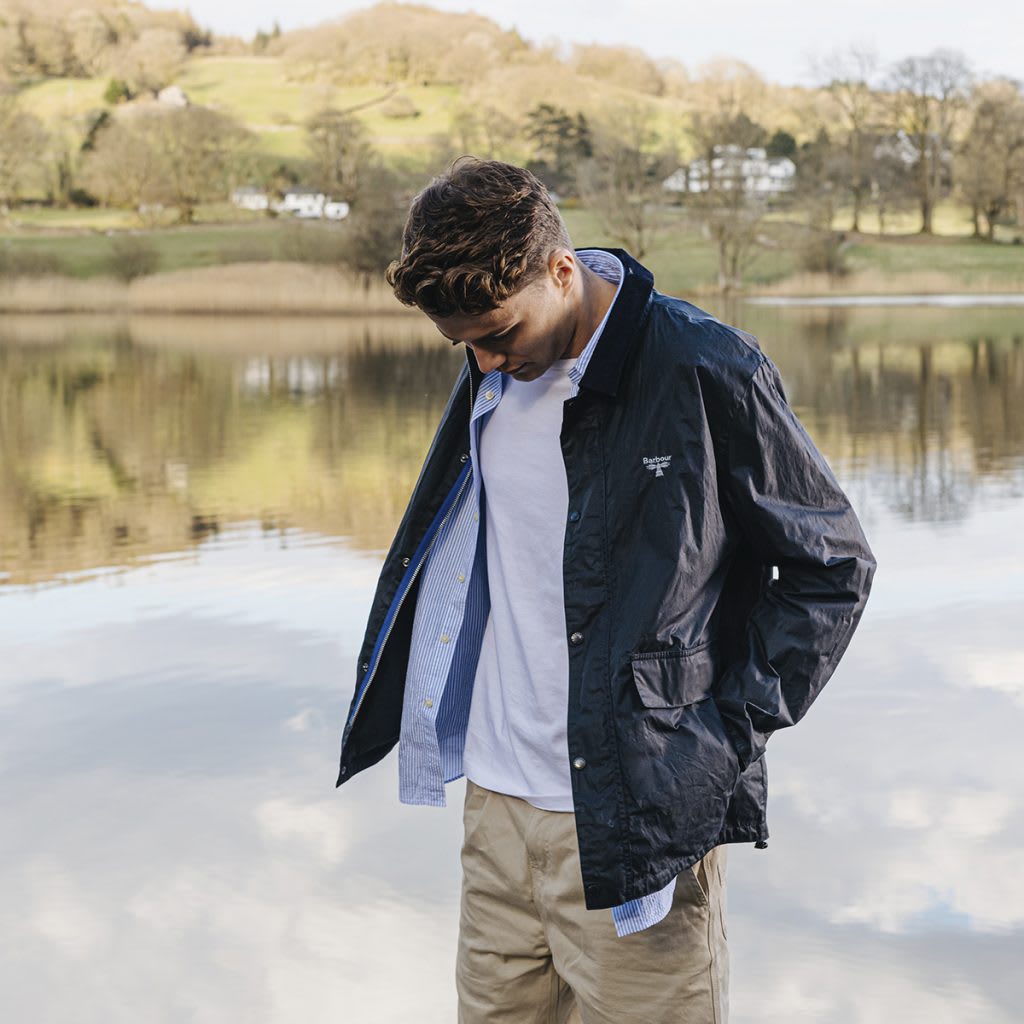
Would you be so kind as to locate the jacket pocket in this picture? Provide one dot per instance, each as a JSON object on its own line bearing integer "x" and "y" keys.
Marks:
{"x": 675, "y": 678}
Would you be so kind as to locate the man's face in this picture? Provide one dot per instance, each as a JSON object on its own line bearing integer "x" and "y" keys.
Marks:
{"x": 528, "y": 332}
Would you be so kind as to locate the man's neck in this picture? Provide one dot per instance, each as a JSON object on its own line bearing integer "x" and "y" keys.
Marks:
{"x": 597, "y": 296}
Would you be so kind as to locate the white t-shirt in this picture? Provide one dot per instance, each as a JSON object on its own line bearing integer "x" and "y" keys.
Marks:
{"x": 516, "y": 736}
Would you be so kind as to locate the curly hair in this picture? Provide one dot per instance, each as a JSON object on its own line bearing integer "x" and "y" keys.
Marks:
{"x": 477, "y": 234}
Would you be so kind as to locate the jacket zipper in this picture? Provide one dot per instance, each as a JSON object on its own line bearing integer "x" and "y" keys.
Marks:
{"x": 412, "y": 578}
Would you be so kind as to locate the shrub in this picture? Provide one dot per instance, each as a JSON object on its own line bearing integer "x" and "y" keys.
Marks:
{"x": 824, "y": 252}
{"x": 117, "y": 91}
{"x": 399, "y": 106}
{"x": 29, "y": 263}
{"x": 132, "y": 256}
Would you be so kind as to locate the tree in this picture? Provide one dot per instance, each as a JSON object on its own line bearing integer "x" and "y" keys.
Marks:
{"x": 23, "y": 141}
{"x": 729, "y": 216}
{"x": 373, "y": 230}
{"x": 121, "y": 167}
{"x": 151, "y": 61}
{"x": 625, "y": 66}
{"x": 480, "y": 127}
{"x": 560, "y": 140}
{"x": 117, "y": 91}
{"x": 197, "y": 150}
{"x": 927, "y": 96}
{"x": 848, "y": 77}
{"x": 990, "y": 160}
{"x": 781, "y": 144}
{"x": 622, "y": 179}
{"x": 719, "y": 130}
{"x": 180, "y": 156}
{"x": 821, "y": 174}
{"x": 339, "y": 151}
{"x": 893, "y": 182}
{"x": 722, "y": 132}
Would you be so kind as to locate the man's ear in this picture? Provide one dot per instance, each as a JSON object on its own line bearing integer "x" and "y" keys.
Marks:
{"x": 557, "y": 271}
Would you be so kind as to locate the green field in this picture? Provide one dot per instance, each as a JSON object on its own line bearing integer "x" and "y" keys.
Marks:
{"x": 260, "y": 91}
{"x": 680, "y": 258}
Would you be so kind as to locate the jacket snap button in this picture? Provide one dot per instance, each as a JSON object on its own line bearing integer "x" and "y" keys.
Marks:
{"x": 463, "y": 457}
{"x": 576, "y": 638}
{"x": 366, "y": 665}
{"x": 574, "y": 516}
{"x": 579, "y": 763}
{"x": 406, "y": 560}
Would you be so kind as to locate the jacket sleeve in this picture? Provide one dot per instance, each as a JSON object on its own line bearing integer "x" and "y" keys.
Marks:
{"x": 793, "y": 515}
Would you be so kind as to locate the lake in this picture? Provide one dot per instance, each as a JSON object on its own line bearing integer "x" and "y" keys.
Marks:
{"x": 193, "y": 514}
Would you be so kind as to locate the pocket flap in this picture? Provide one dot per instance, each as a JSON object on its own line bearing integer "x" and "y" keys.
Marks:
{"x": 674, "y": 678}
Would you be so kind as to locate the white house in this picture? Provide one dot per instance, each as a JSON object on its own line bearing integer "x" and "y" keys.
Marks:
{"x": 302, "y": 202}
{"x": 299, "y": 202}
{"x": 732, "y": 166}
{"x": 249, "y": 197}
{"x": 172, "y": 96}
{"x": 336, "y": 209}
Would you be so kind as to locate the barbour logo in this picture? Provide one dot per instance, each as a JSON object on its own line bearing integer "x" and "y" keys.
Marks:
{"x": 657, "y": 463}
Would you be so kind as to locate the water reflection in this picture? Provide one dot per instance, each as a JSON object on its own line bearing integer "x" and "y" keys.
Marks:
{"x": 192, "y": 516}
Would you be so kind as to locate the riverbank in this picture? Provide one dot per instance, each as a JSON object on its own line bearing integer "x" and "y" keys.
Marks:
{"x": 274, "y": 288}
{"x": 303, "y": 289}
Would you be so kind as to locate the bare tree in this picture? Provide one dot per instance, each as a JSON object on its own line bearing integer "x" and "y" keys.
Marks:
{"x": 622, "y": 180}
{"x": 990, "y": 160}
{"x": 151, "y": 61}
{"x": 928, "y": 95}
{"x": 893, "y": 186}
{"x": 179, "y": 156}
{"x": 197, "y": 151}
{"x": 730, "y": 217}
{"x": 121, "y": 167}
{"x": 23, "y": 141}
{"x": 848, "y": 76}
{"x": 340, "y": 152}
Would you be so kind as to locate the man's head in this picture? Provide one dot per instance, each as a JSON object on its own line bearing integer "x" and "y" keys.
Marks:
{"x": 487, "y": 257}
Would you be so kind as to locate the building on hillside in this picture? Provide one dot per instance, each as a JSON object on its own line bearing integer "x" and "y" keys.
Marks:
{"x": 336, "y": 209}
{"x": 249, "y": 197}
{"x": 299, "y": 202}
{"x": 172, "y": 96}
{"x": 733, "y": 166}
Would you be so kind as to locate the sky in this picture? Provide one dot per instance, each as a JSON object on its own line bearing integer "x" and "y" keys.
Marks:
{"x": 778, "y": 38}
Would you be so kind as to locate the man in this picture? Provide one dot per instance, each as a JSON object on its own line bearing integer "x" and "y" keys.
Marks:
{"x": 580, "y": 610}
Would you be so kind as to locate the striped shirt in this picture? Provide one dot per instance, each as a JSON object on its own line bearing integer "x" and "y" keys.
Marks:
{"x": 448, "y": 627}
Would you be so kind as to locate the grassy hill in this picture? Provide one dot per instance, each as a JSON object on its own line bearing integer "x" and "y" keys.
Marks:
{"x": 422, "y": 81}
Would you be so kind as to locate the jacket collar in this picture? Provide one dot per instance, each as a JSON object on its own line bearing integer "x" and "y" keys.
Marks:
{"x": 620, "y": 332}
{"x": 624, "y": 323}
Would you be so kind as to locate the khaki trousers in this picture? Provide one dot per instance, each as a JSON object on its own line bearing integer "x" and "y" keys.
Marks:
{"x": 529, "y": 951}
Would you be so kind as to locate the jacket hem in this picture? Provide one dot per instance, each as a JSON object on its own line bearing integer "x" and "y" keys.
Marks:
{"x": 656, "y": 881}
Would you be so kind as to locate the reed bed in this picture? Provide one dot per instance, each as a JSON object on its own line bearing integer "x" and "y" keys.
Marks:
{"x": 878, "y": 282}
{"x": 297, "y": 289}
{"x": 293, "y": 289}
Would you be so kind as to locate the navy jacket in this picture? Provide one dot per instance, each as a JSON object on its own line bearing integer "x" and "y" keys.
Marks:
{"x": 689, "y": 479}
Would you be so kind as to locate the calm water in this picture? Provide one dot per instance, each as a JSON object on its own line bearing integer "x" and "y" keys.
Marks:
{"x": 192, "y": 518}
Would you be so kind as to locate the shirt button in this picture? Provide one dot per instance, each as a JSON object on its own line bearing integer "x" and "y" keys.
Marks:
{"x": 461, "y": 577}
{"x": 476, "y": 517}
{"x": 576, "y": 638}
{"x": 445, "y": 638}
{"x": 488, "y": 395}
{"x": 428, "y": 703}
{"x": 579, "y": 763}
{"x": 574, "y": 516}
